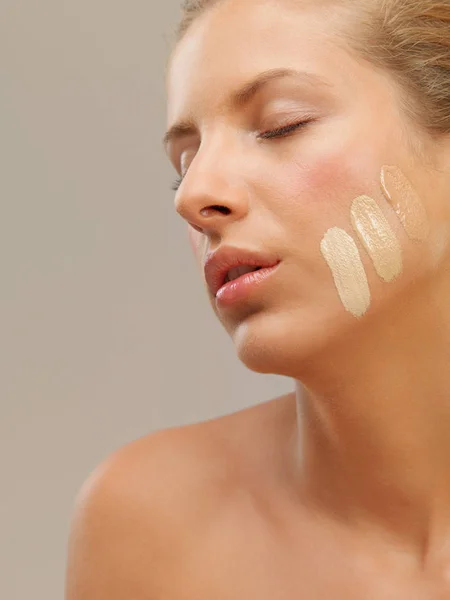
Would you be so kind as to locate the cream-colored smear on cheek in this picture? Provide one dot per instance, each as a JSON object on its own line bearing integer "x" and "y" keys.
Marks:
{"x": 342, "y": 256}
{"x": 406, "y": 202}
{"x": 377, "y": 237}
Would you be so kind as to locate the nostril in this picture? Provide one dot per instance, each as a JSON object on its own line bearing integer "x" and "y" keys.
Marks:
{"x": 222, "y": 209}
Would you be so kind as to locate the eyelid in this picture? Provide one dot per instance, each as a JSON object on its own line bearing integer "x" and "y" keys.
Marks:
{"x": 177, "y": 183}
{"x": 179, "y": 180}
{"x": 281, "y": 131}
{"x": 285, "y": 129}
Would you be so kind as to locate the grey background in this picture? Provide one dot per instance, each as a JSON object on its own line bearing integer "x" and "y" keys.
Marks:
{"x": 106, "y": 332}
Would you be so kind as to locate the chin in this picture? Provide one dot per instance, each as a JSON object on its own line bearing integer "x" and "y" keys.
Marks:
{"x": 286, "y": 343}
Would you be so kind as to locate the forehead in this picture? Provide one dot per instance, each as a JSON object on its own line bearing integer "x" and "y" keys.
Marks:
{"x": 236, "y": 40}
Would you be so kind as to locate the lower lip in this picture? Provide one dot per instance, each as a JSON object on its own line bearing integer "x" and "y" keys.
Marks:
{"x": 239, "y": 289}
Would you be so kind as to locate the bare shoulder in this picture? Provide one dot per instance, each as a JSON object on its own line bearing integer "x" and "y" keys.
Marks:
{"x": 146, "y": 504}
{"x": 132, "y": 515}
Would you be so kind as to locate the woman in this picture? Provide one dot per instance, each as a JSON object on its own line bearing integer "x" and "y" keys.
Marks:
{"x": 312, "y": 140}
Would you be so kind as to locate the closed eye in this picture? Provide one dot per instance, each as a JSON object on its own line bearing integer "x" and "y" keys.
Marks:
{"x": 283, "y": 131}
{"x": 176, "y": 184}
{"x": 266, "y": 135}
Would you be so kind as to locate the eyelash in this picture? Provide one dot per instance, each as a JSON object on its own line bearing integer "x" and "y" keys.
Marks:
{"x": 176, "y": 184}
{"x": 283, "y": 131}
{"x": 266, "y": 135}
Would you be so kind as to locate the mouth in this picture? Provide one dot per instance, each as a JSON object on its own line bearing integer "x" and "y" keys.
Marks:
{"x": 229, "y": 264}
{"x": 241, "y": 283}
{"x": 237, "y": 272}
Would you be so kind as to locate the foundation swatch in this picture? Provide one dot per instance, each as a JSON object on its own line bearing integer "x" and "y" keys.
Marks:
{"x": 341, "y": 254}
{"x": 377, "y": 237}
{"x": 406, "y": 202}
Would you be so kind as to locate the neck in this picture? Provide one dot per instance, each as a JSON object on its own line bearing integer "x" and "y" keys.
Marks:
{"x": 374, "y": 420}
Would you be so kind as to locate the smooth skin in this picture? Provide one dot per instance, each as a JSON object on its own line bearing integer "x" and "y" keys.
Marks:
{"x": 340, "y": 489}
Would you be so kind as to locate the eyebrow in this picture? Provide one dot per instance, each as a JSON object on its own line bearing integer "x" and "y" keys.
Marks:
{"x": 241, "y": 97}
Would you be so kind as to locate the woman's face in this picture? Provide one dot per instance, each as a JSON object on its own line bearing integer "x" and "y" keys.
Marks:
{"x": 281, "y": 192}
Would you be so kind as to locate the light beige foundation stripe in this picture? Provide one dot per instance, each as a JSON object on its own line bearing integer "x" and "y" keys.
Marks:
{"x": 377, "y": 237}
{"x": 341, "y": 254}
{"x": 406, "y": 202}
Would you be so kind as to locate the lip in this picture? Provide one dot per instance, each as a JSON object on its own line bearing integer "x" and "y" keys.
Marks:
{"x": 239, "y": 289}
{"x": 218, "y": 264}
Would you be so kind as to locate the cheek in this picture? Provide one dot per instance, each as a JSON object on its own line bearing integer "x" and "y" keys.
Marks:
{"x": 337, "y": 178}
{"x": 338, "y": 165}
{"x": 316, "y": 189}
{"x": 196, "y": 241}
{"x": 319, "y": 192}
{"x": 320, "y": 189}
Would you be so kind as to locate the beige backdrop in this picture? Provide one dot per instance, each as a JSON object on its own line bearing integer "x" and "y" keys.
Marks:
{"x": 106, "y": 332}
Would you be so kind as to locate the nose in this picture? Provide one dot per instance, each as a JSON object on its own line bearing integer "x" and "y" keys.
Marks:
{"x": 212, "y": 196}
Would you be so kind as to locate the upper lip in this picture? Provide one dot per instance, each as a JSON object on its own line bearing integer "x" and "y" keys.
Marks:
{"x": 219, "y": 262}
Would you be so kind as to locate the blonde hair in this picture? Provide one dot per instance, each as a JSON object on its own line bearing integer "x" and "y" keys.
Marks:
{"x": 408, "y": 38}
